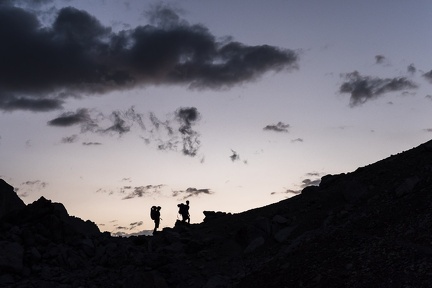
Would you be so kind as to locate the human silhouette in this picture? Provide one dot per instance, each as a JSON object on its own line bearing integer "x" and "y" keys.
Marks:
{"x": 184, "y": 211}
{"x": 155, "y": 216}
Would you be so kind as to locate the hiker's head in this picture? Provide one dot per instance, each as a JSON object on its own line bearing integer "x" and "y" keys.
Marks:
{"x": 187, "y": 202}
{"x": 158, "y": 208}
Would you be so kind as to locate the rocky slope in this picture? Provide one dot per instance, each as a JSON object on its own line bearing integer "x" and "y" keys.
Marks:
{"x": 367, "y": 228}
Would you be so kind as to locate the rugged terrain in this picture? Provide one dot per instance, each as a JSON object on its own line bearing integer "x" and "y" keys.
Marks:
{"x": 367, "y": 228}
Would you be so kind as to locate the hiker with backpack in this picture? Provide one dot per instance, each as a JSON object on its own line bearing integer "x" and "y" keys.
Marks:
{"x": 184, "y": 211}
{"x": 155, "y": 216}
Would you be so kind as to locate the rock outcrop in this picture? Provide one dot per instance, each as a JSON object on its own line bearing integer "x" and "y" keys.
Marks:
{"x": 9, "y": 200}
{"x": 367, "y": 228}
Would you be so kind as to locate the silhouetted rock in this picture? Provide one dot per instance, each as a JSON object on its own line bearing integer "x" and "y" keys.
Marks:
{"x": 209, "y": 215}
{"x": 9, "y": 200}
{"x": 367, "y": 228}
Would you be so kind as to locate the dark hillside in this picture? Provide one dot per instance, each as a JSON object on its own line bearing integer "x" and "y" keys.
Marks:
{"x": 367, "y": 228}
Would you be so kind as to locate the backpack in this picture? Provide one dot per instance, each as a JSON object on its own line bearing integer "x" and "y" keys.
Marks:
{"x": 153, "y": 213}
{"x": 181, "y": 208}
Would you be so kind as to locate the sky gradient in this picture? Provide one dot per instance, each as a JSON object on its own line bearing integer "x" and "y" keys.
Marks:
{"x": 111, "y": 107}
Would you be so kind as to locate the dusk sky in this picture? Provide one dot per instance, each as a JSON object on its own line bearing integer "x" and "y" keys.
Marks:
{"x": 111, "y": 107}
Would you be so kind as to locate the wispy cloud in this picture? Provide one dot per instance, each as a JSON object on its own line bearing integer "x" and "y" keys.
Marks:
{"x": 31, "y": 186}
{"x": 187, "y": 117}
{"x": 365, "y": 88}
{"x": 70, "y": 139}
{"x": 309, "y": 182}
{"x": 297, "y": 140}
{"x": 236, "y": 157}
{"x": 91, "y": 143}
{"x": 175, "y": 133}
{"x": 381, "y": 59}
{"x": 161, "y": 190}
{"x": 313, "y": 179}
{"x": 135, "y": 224}
{"x": 279, "y": 127}
{"x": 190, "y": 192}
{"x": 140, "y": 191}
{"x": 411, "y": 69}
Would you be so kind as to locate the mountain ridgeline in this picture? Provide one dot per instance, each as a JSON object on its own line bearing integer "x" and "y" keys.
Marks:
{"x": 367, "y": 228}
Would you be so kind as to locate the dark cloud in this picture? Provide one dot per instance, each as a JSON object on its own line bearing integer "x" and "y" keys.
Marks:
{"x": 428, "y": 130}
{"x": 80, "y": 117}
{"x": 380, "y": 59}
{"x": 428, "y": 76}
{"x": 235, "y": 156}
{"x": 190, "y": 192}
{"x": 364, "y": 88}
{"x": 140, "y": 191}
{"x": 76, "y": 54}
{"x": 279, "y": 127}
{"x": 411, "y": 69}
{"x": 309, "y": 182}
{"x": 429, "y": 97}
{"x": 11, "y": 103}
{"x": 187, "y": 117}
{"x": 31, "y": 3}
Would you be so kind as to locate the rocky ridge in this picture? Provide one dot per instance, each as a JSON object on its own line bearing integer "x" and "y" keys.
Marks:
{"x": 367, "y": 228}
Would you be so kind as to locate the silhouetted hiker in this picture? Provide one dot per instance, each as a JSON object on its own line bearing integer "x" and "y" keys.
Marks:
{"x": 155, "y": 216}
{"x": 184, "y": 211}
